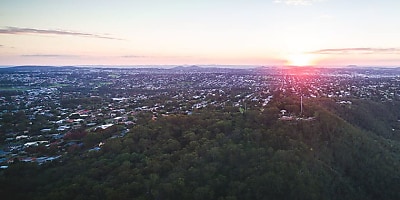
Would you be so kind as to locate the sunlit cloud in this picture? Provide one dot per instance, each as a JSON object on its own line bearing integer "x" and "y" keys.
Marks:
{"x": 22, "y": 31}
{"x": 297, "y": 2}
{"x": 358, "y": 51}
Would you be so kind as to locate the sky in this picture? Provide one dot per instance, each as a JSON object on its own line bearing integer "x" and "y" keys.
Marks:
{"x": 200, "y": 32}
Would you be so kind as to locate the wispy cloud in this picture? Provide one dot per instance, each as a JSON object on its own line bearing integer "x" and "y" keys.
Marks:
{"x": 358, "y": 51}
{"x": 21, "y": 31}
{"x": 297, "y": 2}
{"x": 6, "y": 46}
{"x": 51, "y": 55}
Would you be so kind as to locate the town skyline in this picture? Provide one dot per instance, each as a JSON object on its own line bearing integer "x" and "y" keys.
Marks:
{"x": 257, "y": 33}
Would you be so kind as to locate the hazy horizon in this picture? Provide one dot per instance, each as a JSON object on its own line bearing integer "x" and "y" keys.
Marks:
{"x": 202, "y": 66}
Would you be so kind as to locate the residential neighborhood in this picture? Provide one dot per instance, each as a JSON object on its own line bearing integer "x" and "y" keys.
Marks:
{"x": 47, "y": 113}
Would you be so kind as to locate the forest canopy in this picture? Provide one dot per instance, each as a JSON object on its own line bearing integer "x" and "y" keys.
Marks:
{"x": 340, "y": 152}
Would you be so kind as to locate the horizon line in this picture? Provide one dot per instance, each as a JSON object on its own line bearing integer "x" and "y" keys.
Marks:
{"x": 169, "y": 66}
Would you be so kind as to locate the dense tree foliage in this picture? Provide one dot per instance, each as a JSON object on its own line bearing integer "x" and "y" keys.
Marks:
{"x": 228, "y": 154}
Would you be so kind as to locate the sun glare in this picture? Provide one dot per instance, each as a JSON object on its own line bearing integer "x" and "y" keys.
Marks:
{"x": 299, "y": 60}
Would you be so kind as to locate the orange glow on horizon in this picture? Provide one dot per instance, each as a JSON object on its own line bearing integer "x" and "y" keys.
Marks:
{"x": 300, "y": 60}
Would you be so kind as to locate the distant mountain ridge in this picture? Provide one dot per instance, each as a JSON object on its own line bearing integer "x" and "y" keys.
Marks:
{"x": 37, "y": 68}
{"x": 192, "y": 67}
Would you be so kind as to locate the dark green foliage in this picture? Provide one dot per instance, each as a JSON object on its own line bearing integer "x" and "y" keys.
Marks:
{"x": 225, "y": 155}
{"x": 379, "y": 118}
{"x": 92, "y": 102}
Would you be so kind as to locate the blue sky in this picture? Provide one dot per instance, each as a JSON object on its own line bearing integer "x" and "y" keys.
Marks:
{"x": 238, "y": 32}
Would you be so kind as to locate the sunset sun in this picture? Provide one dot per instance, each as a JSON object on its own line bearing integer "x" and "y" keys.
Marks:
{"x": 300, "y": 60}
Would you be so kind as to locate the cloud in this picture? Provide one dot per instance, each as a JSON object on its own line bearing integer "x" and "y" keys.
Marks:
{"x": 21, "y": 31}
{"x": 50, "y": 55}
{"x": 297, "y": 2}
{"x": 358, "y": 51}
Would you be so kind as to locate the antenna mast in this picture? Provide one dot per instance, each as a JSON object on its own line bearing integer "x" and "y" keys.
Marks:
{"x": 301, "y": 105}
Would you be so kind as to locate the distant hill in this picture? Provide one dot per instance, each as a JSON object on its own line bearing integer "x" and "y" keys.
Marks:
{"x": 188, "y": 68}
{"x": 37, "y": 68}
